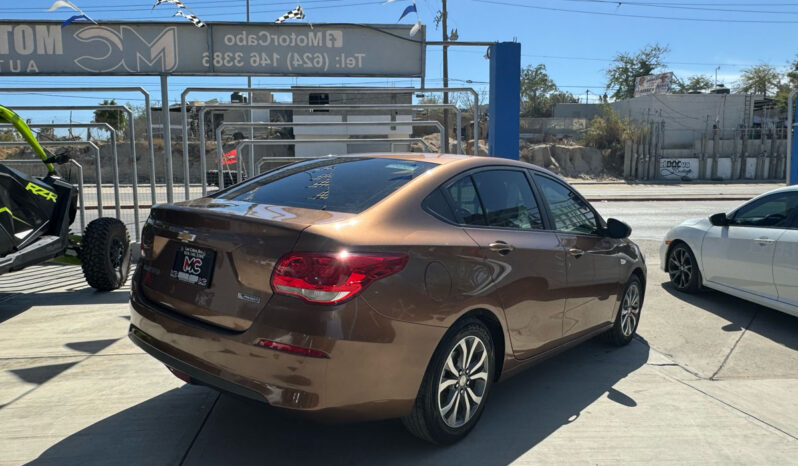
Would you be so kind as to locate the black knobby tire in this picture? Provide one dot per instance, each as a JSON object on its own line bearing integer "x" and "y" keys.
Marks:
{"x": 426, "y": 420}
{"x": 628, "y": 316}
{"x": 105, "y": 254}
{"x": 682, "y": 269}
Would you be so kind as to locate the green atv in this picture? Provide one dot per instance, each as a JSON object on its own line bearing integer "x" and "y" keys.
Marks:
{"x": 35, "y": 216}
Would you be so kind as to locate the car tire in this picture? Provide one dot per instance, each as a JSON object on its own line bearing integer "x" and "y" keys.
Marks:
{"x": 628, "y": 316}
{"x": 682, "y": 269}
{"x": 444, "y": 411}
{"x": 105, "y": 254}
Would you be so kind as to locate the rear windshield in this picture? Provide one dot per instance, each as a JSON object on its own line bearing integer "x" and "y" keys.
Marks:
{"x": 349, "y": 185}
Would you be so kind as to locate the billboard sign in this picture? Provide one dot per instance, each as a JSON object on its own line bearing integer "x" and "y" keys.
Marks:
{"x": 653, "y": 84}
{"x": 262, "y": 49}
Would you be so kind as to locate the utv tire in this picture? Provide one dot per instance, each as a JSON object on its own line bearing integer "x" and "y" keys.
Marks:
{"x": 455, "y": 386}
{"x": 105, "y": 254}
{"x": 628, "y": 316}
{"x": 682, "y": 268}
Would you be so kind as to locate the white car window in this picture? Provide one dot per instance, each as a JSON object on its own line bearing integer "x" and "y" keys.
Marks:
{"x": 774, "y": 211}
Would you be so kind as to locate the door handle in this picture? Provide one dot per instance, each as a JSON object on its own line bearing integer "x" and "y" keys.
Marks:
{"x": 576, "y": 252}
{"x": 765, "y": 241}
{"x": 501, "y": 247}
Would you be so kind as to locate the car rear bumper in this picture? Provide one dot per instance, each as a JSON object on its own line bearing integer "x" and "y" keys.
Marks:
{"x": 360, "y": 380}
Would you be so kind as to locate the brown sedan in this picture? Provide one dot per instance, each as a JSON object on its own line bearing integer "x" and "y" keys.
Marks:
{"x": 382, "y": 286}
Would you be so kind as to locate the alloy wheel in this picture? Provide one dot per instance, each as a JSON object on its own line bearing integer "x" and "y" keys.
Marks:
{"x": 463, "y": 381}
{"x": 630, "y": 310}
{"x": 680, "y": 267}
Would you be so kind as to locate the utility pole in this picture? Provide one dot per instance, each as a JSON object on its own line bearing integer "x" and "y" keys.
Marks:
{"x": 716, "y": 76}
{"x": 251, "y": 115}
{"x": 444, "y": 23}
{"x": 587, "y": 96}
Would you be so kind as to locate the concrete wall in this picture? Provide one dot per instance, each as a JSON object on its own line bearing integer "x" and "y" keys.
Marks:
{"x": 537, "y": 129}
{"x": 687, "y": 116}
{"x": 587, "y": 111}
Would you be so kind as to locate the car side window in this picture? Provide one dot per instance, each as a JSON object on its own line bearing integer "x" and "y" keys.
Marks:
{"x": 508, "y": 200}
{"x": 466, "y": 202}
{"x": 571, "y": 213}
{"x": 438, "y": 205}
{"x": 774, "y": 211}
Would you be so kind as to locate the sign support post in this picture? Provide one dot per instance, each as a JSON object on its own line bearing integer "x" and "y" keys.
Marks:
{"x": 167, "y": 137}
{"x": 792, "y": 140}
{"x": 505, "y": 100}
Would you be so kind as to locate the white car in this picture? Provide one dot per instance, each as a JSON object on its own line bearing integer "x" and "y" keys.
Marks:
{"x": 751, "y": 252}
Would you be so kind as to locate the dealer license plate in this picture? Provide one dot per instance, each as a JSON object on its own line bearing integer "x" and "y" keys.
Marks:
{"x": 193, "y": 265}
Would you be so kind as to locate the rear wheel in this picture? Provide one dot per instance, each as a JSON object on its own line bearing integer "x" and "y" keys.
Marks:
{"x": 453, "y": 393}
{"x": 105, "y": 254}
{"x": 683, "y": 269}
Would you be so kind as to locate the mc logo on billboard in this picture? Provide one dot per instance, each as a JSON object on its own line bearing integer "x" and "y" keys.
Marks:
{"x": 127, "y": 51}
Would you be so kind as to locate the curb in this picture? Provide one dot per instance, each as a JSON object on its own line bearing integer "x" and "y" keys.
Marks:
{"x": 665, "y": 199}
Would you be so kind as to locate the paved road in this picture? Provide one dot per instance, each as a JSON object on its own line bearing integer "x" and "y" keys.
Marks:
{"x": 711, "y": 380}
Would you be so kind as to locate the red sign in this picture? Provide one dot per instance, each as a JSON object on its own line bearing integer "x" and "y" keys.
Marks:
{"x": 229, "y": 158}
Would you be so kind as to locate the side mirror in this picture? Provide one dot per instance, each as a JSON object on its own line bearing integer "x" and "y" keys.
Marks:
{"x": 617, "y": 229}
{"x": 719, "y": 220}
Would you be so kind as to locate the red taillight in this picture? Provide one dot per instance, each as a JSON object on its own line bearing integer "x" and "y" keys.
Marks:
{"x": 275, "y": 345}
{"x": 332, "y": 278}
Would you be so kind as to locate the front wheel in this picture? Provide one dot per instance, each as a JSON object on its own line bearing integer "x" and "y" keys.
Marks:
{"x": 628, "y": 317}
{"x": 683, "y": 269}
{"x": 453, "y": 393}
{"x": 105, "y": 254}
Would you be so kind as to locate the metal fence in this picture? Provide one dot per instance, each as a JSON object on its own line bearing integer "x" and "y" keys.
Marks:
{"x": 111, "y": 182}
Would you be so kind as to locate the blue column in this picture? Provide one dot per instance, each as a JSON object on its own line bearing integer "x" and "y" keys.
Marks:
{"x": 504, "y": 127}
{"x": 792, "y": 176}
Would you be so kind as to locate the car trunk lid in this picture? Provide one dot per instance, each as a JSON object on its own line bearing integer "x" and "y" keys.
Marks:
{"x": 212, "y": 260}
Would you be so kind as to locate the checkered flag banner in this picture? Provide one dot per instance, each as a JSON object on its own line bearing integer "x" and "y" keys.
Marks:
{"x": 191, "y": 17}
{"x": 296, "y": 13}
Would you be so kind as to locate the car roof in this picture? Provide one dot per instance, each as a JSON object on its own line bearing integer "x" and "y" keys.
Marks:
{"x": 467, "y": 161}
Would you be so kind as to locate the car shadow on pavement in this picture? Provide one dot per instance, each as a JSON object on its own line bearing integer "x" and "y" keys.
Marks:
{"x": 772, "y": 324}
{"x": 521, "y": 412}
{"x": 14, "y": 304}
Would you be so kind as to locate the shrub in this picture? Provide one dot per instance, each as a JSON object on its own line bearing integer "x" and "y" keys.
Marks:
{"x": 608, "y": 133}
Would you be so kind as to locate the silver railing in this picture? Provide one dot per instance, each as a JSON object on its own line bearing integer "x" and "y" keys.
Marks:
{"x": 206, "y": 108}
{"x": 363, "y": 90}
{"x": 290, "y": 142}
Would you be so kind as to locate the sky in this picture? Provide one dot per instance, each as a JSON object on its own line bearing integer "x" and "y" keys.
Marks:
{"x": 575, "y": 39}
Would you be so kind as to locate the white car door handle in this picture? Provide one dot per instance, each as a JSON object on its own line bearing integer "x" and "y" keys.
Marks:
{"x": 765, "y": 241}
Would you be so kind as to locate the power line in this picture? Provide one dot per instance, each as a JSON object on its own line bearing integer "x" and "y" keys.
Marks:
{"x": 217, "y": 15}
{"x": 216, "y": 5}
{"x": 674, "y": 6}
{"x": 668, "y": 18}
{"x": 561, "y": 57}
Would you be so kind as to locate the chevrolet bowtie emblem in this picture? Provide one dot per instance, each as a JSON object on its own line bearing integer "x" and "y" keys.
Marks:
{"x": 186, "y": 236}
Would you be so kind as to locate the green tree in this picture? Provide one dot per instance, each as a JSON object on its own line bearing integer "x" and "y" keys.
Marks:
{"x": 536, "y": 85}
{"x": 627, "y": 67}
{"x": 785, "y": 87}
{"x": 539, "y": 93}
{"x": 760, "y": 79}
{"x": 117, "y": 119}
{"x": 694, "y": 83}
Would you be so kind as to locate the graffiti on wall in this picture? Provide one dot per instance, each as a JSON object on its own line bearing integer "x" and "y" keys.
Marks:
{"x": 678, "y": 168}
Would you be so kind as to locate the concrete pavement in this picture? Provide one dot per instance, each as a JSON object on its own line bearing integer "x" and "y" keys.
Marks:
{"x": 711, "y": 380}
